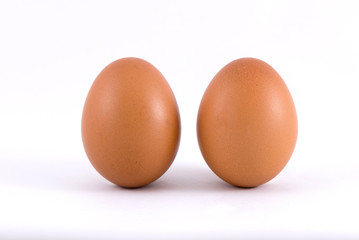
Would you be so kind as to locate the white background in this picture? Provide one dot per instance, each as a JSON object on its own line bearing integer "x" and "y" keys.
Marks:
{"x": 50, "y": 53}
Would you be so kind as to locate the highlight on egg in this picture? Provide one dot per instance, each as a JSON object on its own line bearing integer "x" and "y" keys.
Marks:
{"x": 130, "y": 123}
{"x": 247, "y": 123}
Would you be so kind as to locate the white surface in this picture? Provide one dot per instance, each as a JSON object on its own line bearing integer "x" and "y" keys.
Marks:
{"x": 51, "y": 51}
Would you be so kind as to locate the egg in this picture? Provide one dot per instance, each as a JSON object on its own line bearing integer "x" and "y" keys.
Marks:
{"x": 247, "y": 123}
{"x": 130, "y": 123}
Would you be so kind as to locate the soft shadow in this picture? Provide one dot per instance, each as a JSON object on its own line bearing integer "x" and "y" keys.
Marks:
{"x": 186, "y": 179}
{"x": 82, "y": 177}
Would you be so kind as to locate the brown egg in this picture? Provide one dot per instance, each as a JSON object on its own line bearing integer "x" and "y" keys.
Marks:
{"x": 131, "y": 123}
{"x": 247, "y": 123}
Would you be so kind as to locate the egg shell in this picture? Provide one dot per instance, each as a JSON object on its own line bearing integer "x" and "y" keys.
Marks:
{"x": 131, "y": 123}
{"x": 247, "y": 123}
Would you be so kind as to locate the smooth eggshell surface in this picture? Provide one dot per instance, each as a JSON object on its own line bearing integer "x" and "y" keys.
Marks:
{"x": 247, "y": 123}
{"x": 131, "y": 123}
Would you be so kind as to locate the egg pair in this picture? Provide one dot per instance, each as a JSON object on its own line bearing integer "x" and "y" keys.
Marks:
{"x": 246, "y": 125}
